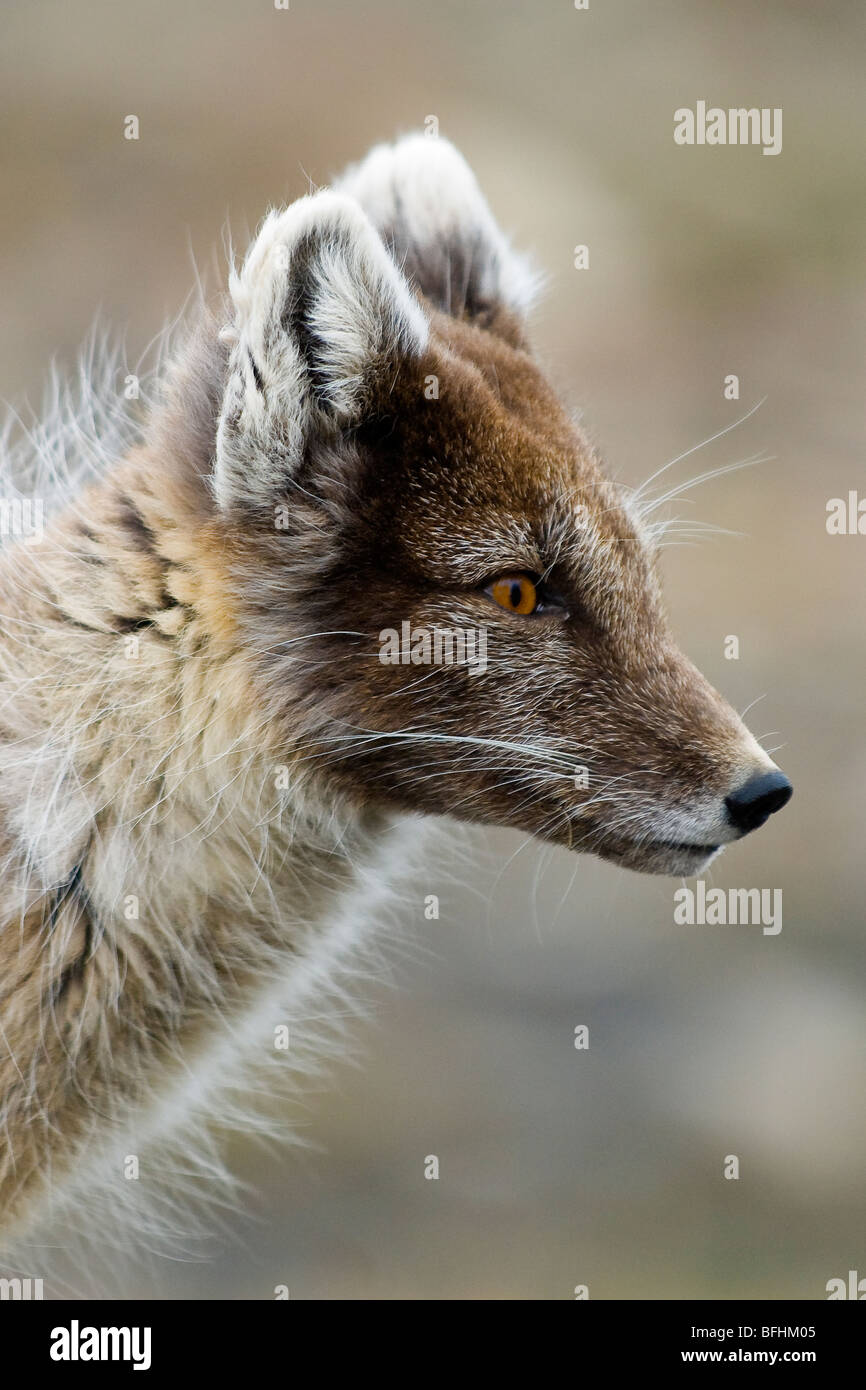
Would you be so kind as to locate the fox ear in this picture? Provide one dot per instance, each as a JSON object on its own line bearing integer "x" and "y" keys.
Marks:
{"x": 321, "y": 313}
{"x": 423, "y": 198}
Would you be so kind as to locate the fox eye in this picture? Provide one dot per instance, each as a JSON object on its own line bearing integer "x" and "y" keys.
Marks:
{"x": 517, "y": 593}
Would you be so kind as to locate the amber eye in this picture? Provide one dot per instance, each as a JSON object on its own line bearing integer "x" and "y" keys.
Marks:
{"x": 514, "y": 592}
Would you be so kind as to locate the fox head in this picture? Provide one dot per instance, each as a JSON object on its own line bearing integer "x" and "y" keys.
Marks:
{"x": 390, "y": 459}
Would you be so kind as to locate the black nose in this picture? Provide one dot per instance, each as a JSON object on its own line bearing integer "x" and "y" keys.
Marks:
{"x": 757, "y": 799}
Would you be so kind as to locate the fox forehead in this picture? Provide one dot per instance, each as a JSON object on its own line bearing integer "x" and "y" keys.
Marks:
{"x": 488, "y": 471}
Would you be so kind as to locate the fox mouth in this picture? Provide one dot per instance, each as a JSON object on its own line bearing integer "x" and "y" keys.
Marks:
{"x": 675, "y": 857}
{"x": 683, "y": 847}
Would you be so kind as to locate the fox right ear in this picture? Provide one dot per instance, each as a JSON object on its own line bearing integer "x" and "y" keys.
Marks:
{"x": 423, "y": 198}
{"x": 322, "y": 314}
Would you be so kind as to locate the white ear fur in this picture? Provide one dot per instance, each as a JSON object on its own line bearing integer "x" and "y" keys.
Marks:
{"x": 424, "y": 199}
{"x": 320, "y": 309}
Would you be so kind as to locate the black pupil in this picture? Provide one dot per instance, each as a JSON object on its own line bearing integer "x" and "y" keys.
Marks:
{"x": 516, "y": 593}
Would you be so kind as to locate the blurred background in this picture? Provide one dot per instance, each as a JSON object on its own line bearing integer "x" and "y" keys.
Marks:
{"x": 557, "y": 1167}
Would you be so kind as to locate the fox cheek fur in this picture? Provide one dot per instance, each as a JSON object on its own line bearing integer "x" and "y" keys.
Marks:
{"x": 206, "y": 770}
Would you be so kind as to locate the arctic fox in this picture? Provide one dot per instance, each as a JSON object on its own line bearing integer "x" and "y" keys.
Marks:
{"x": 207, "y": 773}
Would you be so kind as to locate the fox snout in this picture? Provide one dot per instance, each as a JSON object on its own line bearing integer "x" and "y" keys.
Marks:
{"x": 683, "y": 841}
{"x": 746, "y": 808}
{"x": 681, "y": 779}
{"x": 653, "y": 815}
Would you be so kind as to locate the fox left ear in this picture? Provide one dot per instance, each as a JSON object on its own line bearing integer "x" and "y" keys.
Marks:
{"x": 322, "y": 314}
